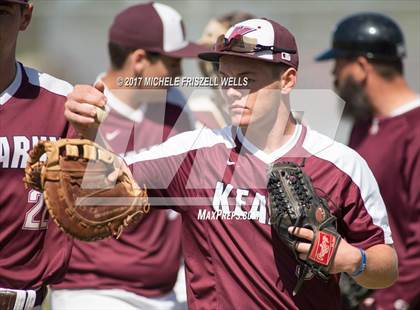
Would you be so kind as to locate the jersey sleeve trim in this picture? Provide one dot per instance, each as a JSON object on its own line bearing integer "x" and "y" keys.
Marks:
{"x": 353, "y": 165}
{"x": 183, "y": 143}
{"x": 48, "y": 82}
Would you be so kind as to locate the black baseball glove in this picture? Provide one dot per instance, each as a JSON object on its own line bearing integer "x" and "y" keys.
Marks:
{"x": 294, "y": 202}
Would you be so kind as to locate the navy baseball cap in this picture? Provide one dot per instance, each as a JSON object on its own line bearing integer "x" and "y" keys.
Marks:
{"x": 154, "y": 27}
{"x": 372, "y": 35}
{"x": 261, "y": 39}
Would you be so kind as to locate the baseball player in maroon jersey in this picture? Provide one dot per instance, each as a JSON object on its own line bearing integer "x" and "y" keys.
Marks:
{"x": 139, "y": 270}
{"x": 33, "y": 252}
{"x": 368, "y": 49}
{"x": 217, "y": 181}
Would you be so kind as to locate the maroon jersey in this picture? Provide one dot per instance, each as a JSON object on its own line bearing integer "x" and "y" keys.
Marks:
{"x": 391, "y": 146}
{"x": 31, "y": 109}
{"x": 146, "y": 258}
{"x": 217, "y": 180}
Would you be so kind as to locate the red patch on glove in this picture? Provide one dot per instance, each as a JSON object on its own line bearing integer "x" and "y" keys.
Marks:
{"x": 323, "y": 248}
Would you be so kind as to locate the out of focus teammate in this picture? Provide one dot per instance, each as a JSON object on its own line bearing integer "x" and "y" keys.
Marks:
{"x": 139, "y": 270}
{"x": 368, "y": 49}
{"x": 208, "y": 106}
{"x": 33, "y": 252}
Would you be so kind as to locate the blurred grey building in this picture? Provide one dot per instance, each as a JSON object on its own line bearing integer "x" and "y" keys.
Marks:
{"x": 68, "y": 38}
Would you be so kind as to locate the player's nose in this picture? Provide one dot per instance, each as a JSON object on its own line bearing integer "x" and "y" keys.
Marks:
{"x": 233, "y": 93}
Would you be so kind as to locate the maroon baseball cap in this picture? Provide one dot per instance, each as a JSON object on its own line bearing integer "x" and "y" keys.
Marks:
{"x": 261, "y": 39}
{"x": 25, "y": 2}
{"x": 154, "y": 27}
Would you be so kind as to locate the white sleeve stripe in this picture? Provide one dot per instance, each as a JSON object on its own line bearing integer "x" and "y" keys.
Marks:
{"x": 353, "y": 165}
{"x": 183, "y": 143}
{"x": 48, "y": 82}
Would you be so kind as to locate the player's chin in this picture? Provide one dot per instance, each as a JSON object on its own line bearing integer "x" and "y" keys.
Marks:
{"x": 240, "y": 120}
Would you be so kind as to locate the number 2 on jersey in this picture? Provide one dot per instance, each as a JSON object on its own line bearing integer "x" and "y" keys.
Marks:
{"x": 31, "y": 223}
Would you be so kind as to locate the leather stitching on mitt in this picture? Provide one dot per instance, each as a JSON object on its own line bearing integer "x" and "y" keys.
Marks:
{"x": 77, "y": 193}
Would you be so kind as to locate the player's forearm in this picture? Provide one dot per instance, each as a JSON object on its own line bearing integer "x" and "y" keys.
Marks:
{"x": 90, "y": 133}
{"x": 381, "y": 267}
{"x": 99, "y": 139}
{"x": 93, "y": 134}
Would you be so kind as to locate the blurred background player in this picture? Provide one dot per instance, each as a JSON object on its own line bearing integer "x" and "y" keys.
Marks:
{"x": 208, "y": 106}
{"x": 33, "y": 252}
{"x": 139, "y": 270}
{"x": 368, "y": 49}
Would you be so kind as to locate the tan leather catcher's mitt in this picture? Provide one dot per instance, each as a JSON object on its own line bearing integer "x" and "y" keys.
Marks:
{"x": 77, "y": 192}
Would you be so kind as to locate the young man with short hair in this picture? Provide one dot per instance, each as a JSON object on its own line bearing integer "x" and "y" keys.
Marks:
{"x": 232, "y": 262}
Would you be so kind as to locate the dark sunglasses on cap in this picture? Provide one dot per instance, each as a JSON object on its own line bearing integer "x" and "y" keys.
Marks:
{"x": 242, "y": 44}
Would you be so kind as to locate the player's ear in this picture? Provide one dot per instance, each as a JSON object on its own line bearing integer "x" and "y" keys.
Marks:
{"x": 138, "y": 61}
{"x": 288, "y": 80}
{"x": 26, "y": 17}
{"x": 362, "y": 69}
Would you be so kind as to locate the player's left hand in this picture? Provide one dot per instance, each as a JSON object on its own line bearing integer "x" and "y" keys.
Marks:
{"x": 347, "y": 259}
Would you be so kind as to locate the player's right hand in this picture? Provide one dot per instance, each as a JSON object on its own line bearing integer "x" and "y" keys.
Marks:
{"x": 81, "y": 106}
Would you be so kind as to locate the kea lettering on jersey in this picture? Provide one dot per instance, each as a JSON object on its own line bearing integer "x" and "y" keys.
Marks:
{"x": 239, "y": 198}
{"x": 14, "y": 150}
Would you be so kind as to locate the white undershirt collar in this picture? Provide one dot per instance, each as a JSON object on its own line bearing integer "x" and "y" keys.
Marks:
{"x": 270, "y": 158}
{"x": 406, "y": 107}
{"x": 13, "y": 87}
